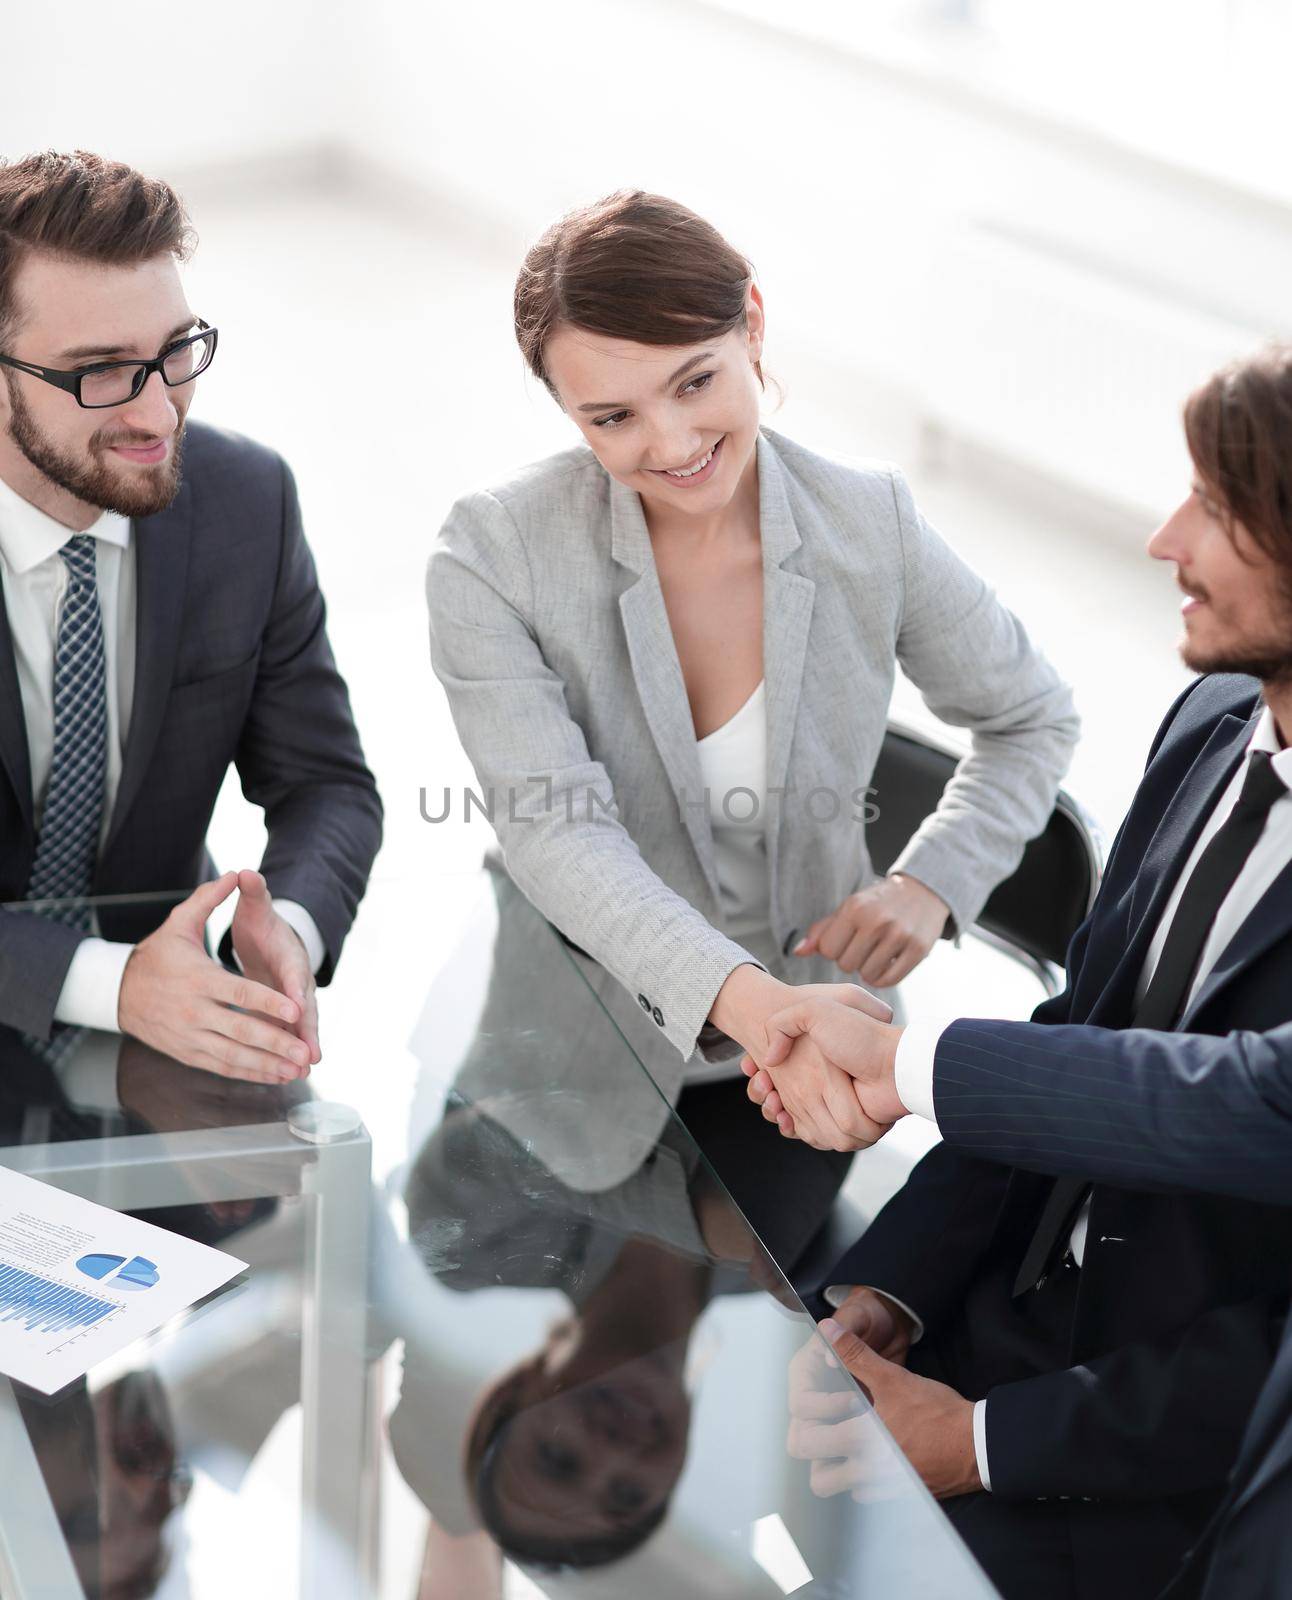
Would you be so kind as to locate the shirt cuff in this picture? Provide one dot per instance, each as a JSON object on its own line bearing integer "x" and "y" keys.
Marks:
{"x": 980, "y": 1442}
{"x": 92, "y": 987}
{"x": 835, "y": 1294}
{"x": 303, "y": 926}
{"x": 913, "y": 1068}
{"x": 299, "y": 920}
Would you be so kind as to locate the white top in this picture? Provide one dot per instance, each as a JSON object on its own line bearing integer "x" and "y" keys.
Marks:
{"x": 33, "y": 582}
{"x": 733, "y": 771}
{"x": 913, "y": 1068}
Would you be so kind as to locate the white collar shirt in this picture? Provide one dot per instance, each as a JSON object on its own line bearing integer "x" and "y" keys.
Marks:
{"x": 35, "y": 582}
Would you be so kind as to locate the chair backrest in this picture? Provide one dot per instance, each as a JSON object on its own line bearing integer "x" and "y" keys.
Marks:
{"x": 1035, "y": 911}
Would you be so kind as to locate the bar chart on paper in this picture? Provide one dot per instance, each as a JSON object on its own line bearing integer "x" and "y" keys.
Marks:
{"x": 43, "y": 1305}
{"x": 79, "y": 1282}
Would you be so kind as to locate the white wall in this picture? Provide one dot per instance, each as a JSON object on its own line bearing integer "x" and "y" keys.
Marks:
{"x": 168, "y": 85}
{"x": 1035, "y": 289}
{"x": 1030, "y": 286}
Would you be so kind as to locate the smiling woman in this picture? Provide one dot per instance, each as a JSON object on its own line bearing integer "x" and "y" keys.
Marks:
{"x": 672, "y": 650}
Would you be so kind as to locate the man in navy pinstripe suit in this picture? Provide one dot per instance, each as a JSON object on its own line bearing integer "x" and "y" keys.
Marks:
{"x": 1071, "y": 1364}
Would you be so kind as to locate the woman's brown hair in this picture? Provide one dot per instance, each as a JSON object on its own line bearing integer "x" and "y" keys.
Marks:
{"x": 1238, "y": 426}
{"x": 632, "y": 266}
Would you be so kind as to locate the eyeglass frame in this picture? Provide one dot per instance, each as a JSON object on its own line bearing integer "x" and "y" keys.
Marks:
{"x": 70, "y": 382}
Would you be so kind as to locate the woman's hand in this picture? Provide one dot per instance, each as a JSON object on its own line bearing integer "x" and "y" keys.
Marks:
{"x": 819, "y": 1097}
{"x": 749, "y": 997}
{"x": 881, "y": 932}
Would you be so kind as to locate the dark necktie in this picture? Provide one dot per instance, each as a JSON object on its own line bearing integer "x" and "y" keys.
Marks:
{"x": 69, "y": 828}
{"x": 1164, "y": 1000}
{"x": 66, "y": 850}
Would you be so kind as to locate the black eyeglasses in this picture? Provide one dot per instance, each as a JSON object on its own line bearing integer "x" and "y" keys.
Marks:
{"x": 112, "y": 383}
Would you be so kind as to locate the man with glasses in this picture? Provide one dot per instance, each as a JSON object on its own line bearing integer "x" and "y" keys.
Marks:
{"x": 161, "y": 620}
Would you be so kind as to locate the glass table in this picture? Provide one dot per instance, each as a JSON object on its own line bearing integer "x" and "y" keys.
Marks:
{"x": 466, "y": 1360}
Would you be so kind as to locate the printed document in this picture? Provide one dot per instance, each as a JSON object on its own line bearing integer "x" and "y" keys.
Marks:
{"x": 79, "y": 1282}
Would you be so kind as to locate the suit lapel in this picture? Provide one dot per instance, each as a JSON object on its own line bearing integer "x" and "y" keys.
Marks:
{"x": 14, "y": 755}
{"x": 787, "y": 618}
{"x": 1168, "y": 851}
{"x": 1267, "y": 1447}
{"x": 658, "y": 672}
{"x": 161, "y": 567}
{"x": 1269, "y": 920}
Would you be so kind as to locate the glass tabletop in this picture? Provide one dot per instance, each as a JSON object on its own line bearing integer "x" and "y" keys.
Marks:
{"x": 502, "y": 1332}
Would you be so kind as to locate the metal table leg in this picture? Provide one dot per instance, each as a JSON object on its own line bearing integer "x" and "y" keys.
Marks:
{"x": 338, "y": 1541}
{"x": 339, "y": 1488}
{"x": 34, "y": 1560}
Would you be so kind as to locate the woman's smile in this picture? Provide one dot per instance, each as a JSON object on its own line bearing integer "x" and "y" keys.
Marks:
{"x": 695, "y": 472}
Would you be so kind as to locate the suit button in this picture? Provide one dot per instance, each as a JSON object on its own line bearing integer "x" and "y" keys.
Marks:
{"x": 659, "y": 1017}
{"x": 643, "y": 1002}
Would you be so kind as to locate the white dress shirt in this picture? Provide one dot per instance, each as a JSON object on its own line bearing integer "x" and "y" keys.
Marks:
{"x": 34, "y": 580}
{"x": 913, "y": 1068}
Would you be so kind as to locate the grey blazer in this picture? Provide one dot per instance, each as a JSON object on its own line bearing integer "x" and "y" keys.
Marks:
{"x": 550, "y": 636}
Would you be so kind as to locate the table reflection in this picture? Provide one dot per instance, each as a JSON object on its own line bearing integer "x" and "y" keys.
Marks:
{"x": 597, "y": 1383}
{"x": 108, "y": 1453}
{"x": 591, "y": 1366}
{"x": 570, "y": 1454}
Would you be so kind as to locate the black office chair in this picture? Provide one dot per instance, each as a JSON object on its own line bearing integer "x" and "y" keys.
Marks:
{"x": 1034, "y": 913}
{"x": 1030, "y": 917}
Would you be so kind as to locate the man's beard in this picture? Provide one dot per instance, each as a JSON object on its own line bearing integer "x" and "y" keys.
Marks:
{"x": 92, "y": 480}
{"x": 1271, "y": 664}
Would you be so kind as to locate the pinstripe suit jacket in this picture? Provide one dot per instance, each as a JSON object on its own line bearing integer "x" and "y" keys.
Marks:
{"x": 1182, "y": 1295}
{"x": 550, "y": 635}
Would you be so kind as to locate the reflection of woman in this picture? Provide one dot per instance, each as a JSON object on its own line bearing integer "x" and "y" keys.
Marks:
{"x": 571, "y": 1455}
{"x": 669, "y": 654}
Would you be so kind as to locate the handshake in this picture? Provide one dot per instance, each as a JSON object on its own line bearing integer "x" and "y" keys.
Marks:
{"x": 827, "y": 1072}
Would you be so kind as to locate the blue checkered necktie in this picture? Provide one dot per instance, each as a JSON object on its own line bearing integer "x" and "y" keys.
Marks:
{"x": 69, "y": 829}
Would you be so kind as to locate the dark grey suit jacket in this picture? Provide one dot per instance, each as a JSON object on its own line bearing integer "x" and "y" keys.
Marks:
{"x": 232, "y": 665}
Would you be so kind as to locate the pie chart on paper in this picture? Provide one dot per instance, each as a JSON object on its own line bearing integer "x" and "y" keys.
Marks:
{"x": 137, "y": 1273}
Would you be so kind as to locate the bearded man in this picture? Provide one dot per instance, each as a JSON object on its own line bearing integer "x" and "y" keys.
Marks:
{"x": 161, "y": 619}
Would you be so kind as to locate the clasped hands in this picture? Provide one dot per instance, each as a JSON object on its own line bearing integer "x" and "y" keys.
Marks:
{"x": 827, "y": 1072}
{"x": 830, "y": 1427}
{"x": 260, "y": 1025}
{"x": 821, "y": 1067}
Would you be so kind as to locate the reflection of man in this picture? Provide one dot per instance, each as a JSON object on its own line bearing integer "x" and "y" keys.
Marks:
{"x": 1114, "y": 1340}
{"x": 108, "y": 1454}
{"x": 111, "y": 1471}
{"x": 157, "y": 625}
